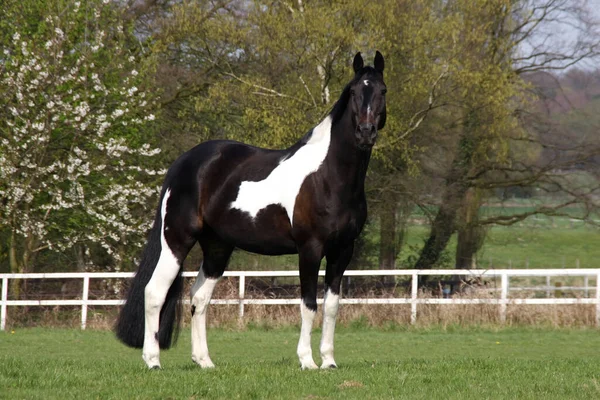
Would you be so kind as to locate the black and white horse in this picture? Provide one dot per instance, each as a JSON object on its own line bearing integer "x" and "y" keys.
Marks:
{"x": 308, "y": 199}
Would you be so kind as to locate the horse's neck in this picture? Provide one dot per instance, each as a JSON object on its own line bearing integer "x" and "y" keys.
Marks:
{"x": 345, "y": 162}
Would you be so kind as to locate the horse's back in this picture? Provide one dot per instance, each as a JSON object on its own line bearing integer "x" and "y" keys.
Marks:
{"x": 207, "y": 179}
{"x": 212, "y": 163}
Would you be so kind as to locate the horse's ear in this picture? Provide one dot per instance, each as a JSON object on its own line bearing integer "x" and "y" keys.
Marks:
{"x": 358, "y": 63}
{"x": 379, "y": 63}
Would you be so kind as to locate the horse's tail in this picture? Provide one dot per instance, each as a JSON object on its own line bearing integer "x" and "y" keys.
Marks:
{"x": 131, "y": 321}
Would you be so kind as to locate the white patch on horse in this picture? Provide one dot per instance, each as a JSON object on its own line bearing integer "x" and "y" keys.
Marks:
{"x": 366, "y": 82}
{"x": 284, "y": 182}
{"x": 304, "y": 350}
{"x": 156, "y": 290}
{"x": 330, "y": 311}
{"x": 201, "y": 294}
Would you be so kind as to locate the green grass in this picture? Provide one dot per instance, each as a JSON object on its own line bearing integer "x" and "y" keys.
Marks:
{"x": 542, "y": 248}
{"x": 261, "y": 364}
{"x": 543, "y": 242}
{"x": 527, "y": 247}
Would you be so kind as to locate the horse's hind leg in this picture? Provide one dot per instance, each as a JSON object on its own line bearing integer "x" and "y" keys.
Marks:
{"x": 216, "y": 256}
{"x": 175, "y": 245}
{"x": 337, "y": 262}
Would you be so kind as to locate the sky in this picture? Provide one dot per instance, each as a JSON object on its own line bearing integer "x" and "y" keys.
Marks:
{"x": 565, "y": 33}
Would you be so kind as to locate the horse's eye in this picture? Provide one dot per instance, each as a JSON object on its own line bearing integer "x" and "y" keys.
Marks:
{"x": 384, "y": 91}
{"x": 351, "y": 92}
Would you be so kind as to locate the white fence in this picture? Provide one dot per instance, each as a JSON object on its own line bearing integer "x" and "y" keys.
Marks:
{"x": 414, "y": 300}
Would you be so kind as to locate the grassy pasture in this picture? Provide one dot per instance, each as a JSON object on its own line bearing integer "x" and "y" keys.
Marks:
{"x": 537, "y": 242}
{"x": 529, "y": 246}
{"x": 395, "y": 363}
{"x": 541, "y": 243}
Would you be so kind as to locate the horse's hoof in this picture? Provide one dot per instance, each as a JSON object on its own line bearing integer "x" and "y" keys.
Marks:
{"x": 155, "y": 367}
{"x": 329, "y": 366}
{"x": 309, "y": 366}
{"x": 204, "y": 362}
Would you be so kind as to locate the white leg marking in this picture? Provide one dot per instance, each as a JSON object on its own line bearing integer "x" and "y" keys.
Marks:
{"x": 284, "y": 182}
{"x": 330, "y": 310}
{"x": 201, "y": 294}
{"x": 155, "y": 292}
{"x": 304, "y": 347}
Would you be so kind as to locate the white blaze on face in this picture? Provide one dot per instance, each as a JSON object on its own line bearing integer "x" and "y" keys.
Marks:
{"x": 284, "y": 182}
{"x": 366, "y": 82}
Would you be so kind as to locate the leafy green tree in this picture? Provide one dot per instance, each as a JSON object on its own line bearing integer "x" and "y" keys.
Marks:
{"x": 489, "y": 98}
{"x": 75, "y": 153}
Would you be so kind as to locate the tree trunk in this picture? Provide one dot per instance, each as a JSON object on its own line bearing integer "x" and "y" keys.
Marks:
{"x": 404, "y": 210}
{"x": 29, "y": 253}
{"x": 453, "y": 199}
{"x": 466, "y": 248}
{"x": 18, "y": 286}
{"x": 79, "y": 251}
{"x": 443, "y": 226}
{"x": 470, "y": 233}
{"x": 15, "y": 268}
{"x": 387, "y": 240}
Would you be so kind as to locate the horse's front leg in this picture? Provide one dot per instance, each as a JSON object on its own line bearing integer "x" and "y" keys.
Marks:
{"x": 310, "y": 260}
{"x": 337, "y": 262}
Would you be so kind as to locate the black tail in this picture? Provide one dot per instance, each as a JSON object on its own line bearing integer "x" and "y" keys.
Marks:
{"x": 130, "y": 324}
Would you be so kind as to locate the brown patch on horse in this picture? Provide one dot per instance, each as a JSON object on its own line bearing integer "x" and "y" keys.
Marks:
{"x": 304, "y": 215}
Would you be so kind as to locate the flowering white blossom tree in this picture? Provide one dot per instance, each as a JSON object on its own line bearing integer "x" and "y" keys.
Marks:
{"x": 74, "y": 128}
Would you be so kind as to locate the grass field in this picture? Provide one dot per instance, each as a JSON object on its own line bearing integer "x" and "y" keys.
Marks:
{"x": 261, "y": 364}
{"x": 531, "y": 247}
{"x": 537, "y": 242}
{"x": 519, "y": 246}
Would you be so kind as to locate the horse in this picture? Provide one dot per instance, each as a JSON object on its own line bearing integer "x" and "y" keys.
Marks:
{"x": 308, "y": 199}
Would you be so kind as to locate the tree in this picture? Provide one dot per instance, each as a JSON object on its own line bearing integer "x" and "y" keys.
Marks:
{"x": 493, "y": 98}
{"x": 74, "y": 132}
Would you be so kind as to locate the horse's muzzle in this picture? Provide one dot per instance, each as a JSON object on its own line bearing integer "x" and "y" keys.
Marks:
{"x": 366, "y": 135}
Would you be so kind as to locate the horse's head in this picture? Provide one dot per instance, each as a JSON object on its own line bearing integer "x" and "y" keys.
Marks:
{"x": 367, "y": 100}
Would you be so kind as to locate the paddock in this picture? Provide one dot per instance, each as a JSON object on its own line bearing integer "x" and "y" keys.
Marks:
{"x": 397, "y": 362}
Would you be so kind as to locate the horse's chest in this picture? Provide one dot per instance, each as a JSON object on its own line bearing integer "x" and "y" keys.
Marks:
{"x": 282, "y": 186}
{"x": 349, "y": 222}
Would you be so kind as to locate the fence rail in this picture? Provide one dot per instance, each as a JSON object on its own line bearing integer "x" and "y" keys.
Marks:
{"x": 414, "y": 300}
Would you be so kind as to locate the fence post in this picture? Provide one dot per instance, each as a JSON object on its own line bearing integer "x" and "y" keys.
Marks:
{"x": 413, "y": 298}
{"x": 4, "y": 300}
{"x": 586, "y": 285}
{"x": 242, "y": 293}
{"x": 84, "y": 298}
{"x": 598, "y": 300}
{"x": 503, "y": 297}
